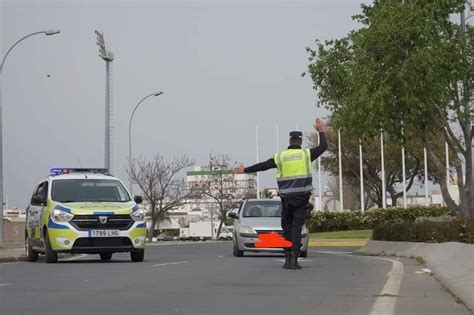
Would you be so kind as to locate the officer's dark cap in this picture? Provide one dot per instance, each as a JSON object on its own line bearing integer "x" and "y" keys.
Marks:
{"x": 296, "y": 135}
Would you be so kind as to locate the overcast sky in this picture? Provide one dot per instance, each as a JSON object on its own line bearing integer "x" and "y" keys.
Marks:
{"x": 225, "y": 67}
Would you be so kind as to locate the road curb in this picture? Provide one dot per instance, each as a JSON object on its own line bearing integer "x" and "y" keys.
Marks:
{"x": 338, "y": 243}
{"x": 12, "y": 259}
{"x": 452, "y": 263}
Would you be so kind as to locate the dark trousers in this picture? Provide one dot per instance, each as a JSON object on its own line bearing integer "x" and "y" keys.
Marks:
{"x": 292, "y": 219}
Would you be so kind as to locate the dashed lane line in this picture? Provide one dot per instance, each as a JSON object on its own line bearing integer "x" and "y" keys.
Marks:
{"x": 171, "y": 263}
{"x": 75, "y": 257}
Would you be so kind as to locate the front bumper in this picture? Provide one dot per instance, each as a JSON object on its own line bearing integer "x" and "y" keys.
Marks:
{"x": 65, "y": 237}
{"x": 247, "y": 243}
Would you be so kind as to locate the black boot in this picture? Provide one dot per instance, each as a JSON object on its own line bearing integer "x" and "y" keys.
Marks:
{"x": 294, "y": 262}
{"x": 287, "y": 260}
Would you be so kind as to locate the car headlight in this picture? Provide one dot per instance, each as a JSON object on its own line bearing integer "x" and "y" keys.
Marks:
{"x": 59, "y": 216}
{"x": 247, "y": 230}
{"x": 304, "y": 230}
{"x": 138, "y": 215}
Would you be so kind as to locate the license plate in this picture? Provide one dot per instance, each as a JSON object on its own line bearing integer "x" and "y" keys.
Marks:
{"x": 103, "y": 233}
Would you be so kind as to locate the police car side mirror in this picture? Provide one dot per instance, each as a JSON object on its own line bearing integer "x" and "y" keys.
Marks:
{"x": 233, "y": 215}
{"x": 37, "y": 200}
{"x": 138, "y": 199}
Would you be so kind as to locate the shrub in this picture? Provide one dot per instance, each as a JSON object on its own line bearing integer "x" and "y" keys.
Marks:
{"x": 426, "y": 231}
{"x": 355, "y": 220}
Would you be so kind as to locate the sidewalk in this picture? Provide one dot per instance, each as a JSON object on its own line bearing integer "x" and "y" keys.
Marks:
{"x": 340, "y": 242}
{"x": 13, "y": 252}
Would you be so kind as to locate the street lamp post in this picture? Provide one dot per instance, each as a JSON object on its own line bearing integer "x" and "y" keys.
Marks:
{"x": 130, "y": 129}
{"x": 48, "y": 33}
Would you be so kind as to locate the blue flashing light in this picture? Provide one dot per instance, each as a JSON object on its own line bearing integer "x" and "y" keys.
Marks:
{"x": 62, "y": 171}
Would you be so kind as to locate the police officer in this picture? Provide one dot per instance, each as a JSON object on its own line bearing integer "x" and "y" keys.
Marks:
{"x": 294, "y": 186}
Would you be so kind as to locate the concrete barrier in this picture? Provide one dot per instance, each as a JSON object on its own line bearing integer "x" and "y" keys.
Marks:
{"x": 452, "y": 263}
{"x": 14, "y": 232}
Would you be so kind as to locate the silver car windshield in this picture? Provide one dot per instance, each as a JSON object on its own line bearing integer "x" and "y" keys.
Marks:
{"x": 256, "y": 209}
{"x": 89, "y": 190}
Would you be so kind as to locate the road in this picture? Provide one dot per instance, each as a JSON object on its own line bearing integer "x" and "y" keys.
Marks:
{"x": 207, "y": 279}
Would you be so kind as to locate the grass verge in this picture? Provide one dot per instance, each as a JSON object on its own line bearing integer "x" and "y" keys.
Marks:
{"x": 342, "y": 234}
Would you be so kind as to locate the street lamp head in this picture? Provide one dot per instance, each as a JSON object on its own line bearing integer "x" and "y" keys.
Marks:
{"x": 158, "y": 94}
{"x": 52, "y": 32}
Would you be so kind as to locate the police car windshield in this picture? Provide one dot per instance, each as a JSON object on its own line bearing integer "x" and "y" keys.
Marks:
{"x": 256, "y": 209}
{"x": 89, "y": 190}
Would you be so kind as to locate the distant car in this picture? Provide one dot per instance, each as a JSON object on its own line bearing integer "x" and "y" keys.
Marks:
{"x": 259, "y": 216}
{"x": 226, "y": 234}
{"x": 164, "y": 237}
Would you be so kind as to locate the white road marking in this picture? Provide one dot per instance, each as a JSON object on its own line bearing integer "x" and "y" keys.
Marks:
{"x": 75, "y": 257}
{"x": 299, "y": 260}
{"x": 334, "y": 252}
{"x": 220, "y": 256}
{"x": 5, "y": 284}
{"x": 171, "y": 263}
{"x": 387, "y": 298}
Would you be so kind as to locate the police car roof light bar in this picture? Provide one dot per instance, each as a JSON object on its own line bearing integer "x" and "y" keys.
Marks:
{"x": 67, "y": 170}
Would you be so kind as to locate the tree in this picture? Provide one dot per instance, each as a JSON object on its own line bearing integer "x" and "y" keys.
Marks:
{"x": 408, "y": 68}
{"x": 221, "y": 187}
{"x": 161, "y": 185}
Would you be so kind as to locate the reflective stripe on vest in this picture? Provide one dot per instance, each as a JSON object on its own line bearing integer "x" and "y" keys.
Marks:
{"x": 294, "y": 171}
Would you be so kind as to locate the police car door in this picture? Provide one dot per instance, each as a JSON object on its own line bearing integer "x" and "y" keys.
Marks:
{"x": 35, "y": 211}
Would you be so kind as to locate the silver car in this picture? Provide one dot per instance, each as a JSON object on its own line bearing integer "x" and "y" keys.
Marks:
{"x": 259, "y": 216}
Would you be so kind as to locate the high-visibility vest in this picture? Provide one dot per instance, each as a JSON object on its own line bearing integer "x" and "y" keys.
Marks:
{"x": 295, "y": 173}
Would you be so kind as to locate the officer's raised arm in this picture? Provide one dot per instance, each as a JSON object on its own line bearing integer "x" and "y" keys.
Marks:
{"x": 323, "y": 145}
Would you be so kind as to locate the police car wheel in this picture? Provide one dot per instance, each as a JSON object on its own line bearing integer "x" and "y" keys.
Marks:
{"x": 106, "y": 256}
{"x": 304, "y": 254}
{"x": 31, "y": 254}
{"x": 137, "y": 255}
{"x": 51, "y": 256}
{"x": 237, "y": 252}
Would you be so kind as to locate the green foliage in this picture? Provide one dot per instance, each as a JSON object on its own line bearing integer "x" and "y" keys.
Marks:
{"x": 427, "y": 231}
{"x": 355, "y": 220}
{"x": 353, "y": 234}
{"x": 409, "y": 67}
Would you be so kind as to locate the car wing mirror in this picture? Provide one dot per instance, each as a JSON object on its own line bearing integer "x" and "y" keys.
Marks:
{"x": 233, "y": 215}
{"x": 37, "y": 200}
{"x": 138, "y": 199}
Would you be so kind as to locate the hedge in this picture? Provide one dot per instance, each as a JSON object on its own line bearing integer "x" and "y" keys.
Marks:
{"x": 355, "y": 220}
{"x": 427, "y": 231}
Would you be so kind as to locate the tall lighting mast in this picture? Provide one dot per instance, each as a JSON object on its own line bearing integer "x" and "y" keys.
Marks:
{"x": 108, "y": 57}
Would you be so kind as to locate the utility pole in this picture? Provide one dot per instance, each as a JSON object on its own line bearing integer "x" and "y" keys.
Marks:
{"x": 108, "y": 57}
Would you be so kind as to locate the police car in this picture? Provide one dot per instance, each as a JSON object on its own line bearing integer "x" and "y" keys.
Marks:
{"x": 78, "y": 210}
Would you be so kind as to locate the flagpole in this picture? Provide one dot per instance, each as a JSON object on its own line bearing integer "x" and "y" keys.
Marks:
{"x": 320, "y": 207}
{"x": 384, "y": 193}
{"x": 341, "y": 195}
{"x": 427, "y": 202}
{"x": 404, "y": 171}
{"x": 258, "y": 174}
{"x": 361, "y": 170}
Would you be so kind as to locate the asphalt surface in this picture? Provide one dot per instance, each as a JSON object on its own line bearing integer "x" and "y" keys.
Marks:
{"x": 207, "y": 279}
